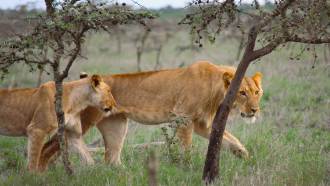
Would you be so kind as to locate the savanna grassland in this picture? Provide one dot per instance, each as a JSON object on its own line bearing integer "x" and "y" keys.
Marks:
{"x": 289, "y": 144}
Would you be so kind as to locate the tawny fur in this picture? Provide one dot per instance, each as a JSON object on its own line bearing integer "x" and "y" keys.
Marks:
{"x": 31, "y": 112}
{"x": 155, "y": 97}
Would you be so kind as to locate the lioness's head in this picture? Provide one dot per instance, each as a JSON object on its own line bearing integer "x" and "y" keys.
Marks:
{"x": 249, "y": 94}
{"x": 101, "y": 96}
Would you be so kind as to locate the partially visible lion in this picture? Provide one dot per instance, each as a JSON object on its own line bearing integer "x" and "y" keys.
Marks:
{"x": 156, "y": 97}
{"x": 31, "y": 112}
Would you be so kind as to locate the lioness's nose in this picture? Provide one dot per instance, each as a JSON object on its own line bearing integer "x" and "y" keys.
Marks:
{"x": 107, "y": 109}
{"x": 254, "y": 110}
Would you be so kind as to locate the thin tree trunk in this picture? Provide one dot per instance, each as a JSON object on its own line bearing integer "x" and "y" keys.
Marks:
{"x": 159, "y": 51}
{"x": 60, "y": 120}
{"x": 41, "y": 70}
{"x": 39, "y": 77}
{"x": 118, "y": 38}
{"x": 326, "y": 49}
{"x": 138, "y": 60}
{"x": 12, "y": 83}
{"x": 140, "y": 49}
{"x": 211, "y": 167}
{"x": 152, "y": 166}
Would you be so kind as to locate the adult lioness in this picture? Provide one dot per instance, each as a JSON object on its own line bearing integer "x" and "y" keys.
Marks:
{"x": 31, "y": 112}
{"x": 156, "y": 97}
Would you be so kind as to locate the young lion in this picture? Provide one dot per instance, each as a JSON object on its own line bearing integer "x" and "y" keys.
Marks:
{"x": 31, "y": 112}
{"x": 158, "y": 97}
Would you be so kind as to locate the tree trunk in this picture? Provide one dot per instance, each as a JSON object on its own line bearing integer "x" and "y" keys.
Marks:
{"x": 118, "y": 38}
{"x": 152, "y": 166}
{"x": 39, "y": 77}
{"x": 138, "y": 60}
{"x": 326, "y": 48}
{"x": 211, "y": 167}
{"x": 41, "y": 70}
{"x": 61, "y": 120}
{"x": 12, "y": 83}
{"x": 158, "y": 52}
{"x": 140, "y": 48}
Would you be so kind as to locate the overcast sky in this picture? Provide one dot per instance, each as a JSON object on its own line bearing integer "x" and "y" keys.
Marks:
{"x": 5, "y": 4}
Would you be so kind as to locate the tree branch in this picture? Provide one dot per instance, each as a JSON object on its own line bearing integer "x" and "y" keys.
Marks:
{"x": 59, "y": 50}
{"x": 267, "y": 49}
{"x": 251, "y": 41}
{"x": 76, "y": 51}
{"x": 307, "y": 40}
{"x": 272, "y": 45}
{"x": 6, "y": 63}
{"x": 282, "y": 7}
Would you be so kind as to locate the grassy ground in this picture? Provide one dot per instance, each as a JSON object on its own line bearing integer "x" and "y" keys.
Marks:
{"x": 289, "y": 144}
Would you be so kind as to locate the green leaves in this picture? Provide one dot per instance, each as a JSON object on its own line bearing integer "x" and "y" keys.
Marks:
{"x": 63, "y": 32}
{"x": 208, "y": 17}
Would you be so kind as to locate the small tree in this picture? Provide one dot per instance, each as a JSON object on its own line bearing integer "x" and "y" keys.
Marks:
{"x": 302, "y": 21}
{"x": 152, "y": 41}
{"x": 140, "y": 42}
{"x": 152, "y": 168}
{"x": 60, "y": 33}
{"x": 119, "y": 33}
{"x": 161, "y": 33}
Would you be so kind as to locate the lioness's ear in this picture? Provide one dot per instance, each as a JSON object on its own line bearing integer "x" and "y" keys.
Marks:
{"x": 83, "y": 75}
{"x": 227, "y": 77}
{"x": 96, "y": 80}
{"x": 257, "y": 78}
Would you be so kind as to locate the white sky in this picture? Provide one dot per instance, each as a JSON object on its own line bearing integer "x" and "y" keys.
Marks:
{"x": 5, "y": 4}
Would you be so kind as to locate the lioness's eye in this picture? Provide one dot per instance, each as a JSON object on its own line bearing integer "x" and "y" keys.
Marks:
{"x": 257, "y": 92}
{"x": 242, "y": 93}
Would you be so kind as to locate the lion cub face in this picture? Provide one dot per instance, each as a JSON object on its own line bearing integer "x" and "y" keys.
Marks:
{"x": 249, "y": 95}
{"x": 101, "y": 96}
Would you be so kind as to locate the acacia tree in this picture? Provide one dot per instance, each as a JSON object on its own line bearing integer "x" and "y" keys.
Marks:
{"x": 140, "y": 42}
{"x": 119, "y": 33}
{"x": 302, "y": 21}
{"x": 56, "y": 42}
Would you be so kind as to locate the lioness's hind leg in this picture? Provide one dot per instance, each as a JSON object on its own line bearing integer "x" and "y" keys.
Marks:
{"x": 113, "y": 130}
{"x": 50, "y": 149}
{"x": 36, "y": 139}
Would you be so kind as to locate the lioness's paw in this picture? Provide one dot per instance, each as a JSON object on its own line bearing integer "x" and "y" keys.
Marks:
{"x": 241, "y": 153}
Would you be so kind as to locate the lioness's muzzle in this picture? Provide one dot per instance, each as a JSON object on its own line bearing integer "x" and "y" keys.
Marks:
{"x": 107, "y": 109}
{"x": 247, "y": 115}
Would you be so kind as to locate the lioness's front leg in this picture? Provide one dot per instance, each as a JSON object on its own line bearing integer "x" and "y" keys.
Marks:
{"x": 228, "y": 141}
{"x": 113, "y": 130}
{"x": 184, "y": 133}
{"x": 235, "y": 146}
{"x": 52, "y": 147}
{"x": 76, "y": 143}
